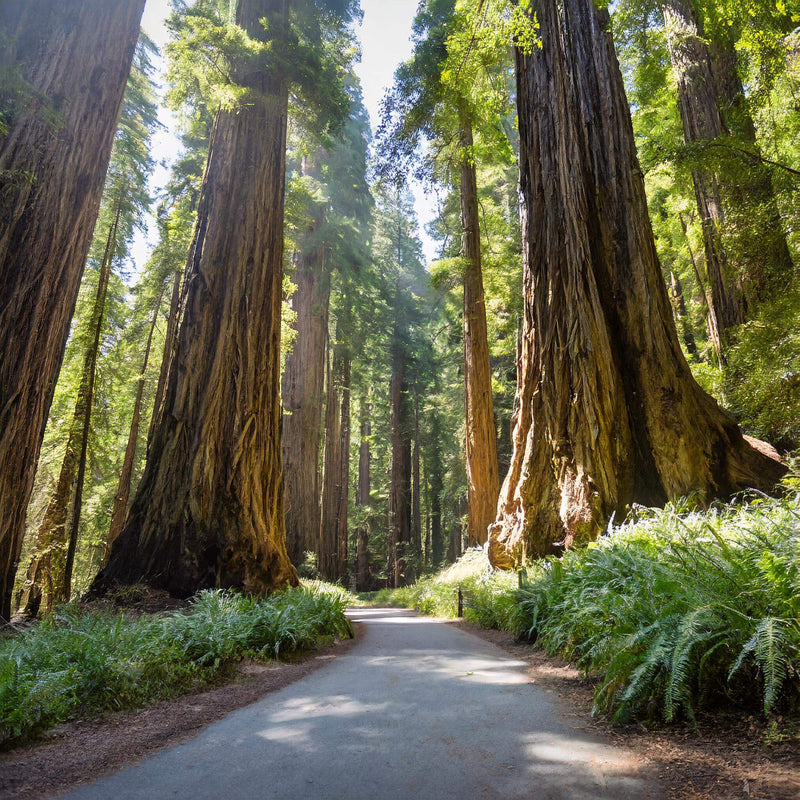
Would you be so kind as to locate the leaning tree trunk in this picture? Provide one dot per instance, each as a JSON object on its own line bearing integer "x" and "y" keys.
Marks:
{"x": 123, "y": 494}
{"x": 481, "y": 437}
{"x": 303, "y": 394}
{"x": 50, "y": 571}
{"x": 209, "y": 508}
{"x": 76, "y": 56}
{"x": 608, "y": 412}
{"x": 400, "y": 490}
{"x": 702, "y": 123}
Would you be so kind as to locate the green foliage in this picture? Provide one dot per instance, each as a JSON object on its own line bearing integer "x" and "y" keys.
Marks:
{"x": 79, "y": 661}
{"x": 488, "y": 595}
{"x": 678, "y": 612}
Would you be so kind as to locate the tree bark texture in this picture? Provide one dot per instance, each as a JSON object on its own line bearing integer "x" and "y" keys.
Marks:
{"x": 608, "y": 411}
{"x": 209, "y": 508}
{"x": 336, "y": 477}
{"x": 768, "y": 268}
{"x": 304, "y": 394}
{"x": 123, "y": 494}
{"x": 483, "y": 478}
{"x": 400, "y": 490}
{"x": 702, "y": 122}
{"x": 170, "y": 339}
{"x": 416, "y": 499}
{"x": 77, "y": 55}
{"x": 50, "y": 572}
{"x": 364, "y": 498}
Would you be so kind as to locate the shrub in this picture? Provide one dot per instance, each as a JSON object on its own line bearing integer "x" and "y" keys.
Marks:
{"x": 80, "y": 661}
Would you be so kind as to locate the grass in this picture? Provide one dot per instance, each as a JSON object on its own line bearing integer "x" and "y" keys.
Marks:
{"x": 674, "y": 613}
{"x": 85, "y": 662}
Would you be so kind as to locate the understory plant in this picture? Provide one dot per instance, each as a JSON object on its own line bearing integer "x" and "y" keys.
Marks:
{"x": 82, "y": 661}
{"x": 678, "y": 611}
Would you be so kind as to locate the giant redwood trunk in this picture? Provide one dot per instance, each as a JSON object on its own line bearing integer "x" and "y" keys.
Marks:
{"x": 608, "y": 412}
{"x": 481, "y": 437}
{"x": 75, "y": 55}
{"x": 209, "y": 508}
{"x": 703, "y": 123}
{"x": 50, "y": 570}
{"x": 304, "y": 392}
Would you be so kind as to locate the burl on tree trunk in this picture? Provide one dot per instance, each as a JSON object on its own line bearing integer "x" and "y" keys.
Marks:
{"x": 608, "y": 412}
{"x": 75, "y": 56}
{"x": 209, "y": 508}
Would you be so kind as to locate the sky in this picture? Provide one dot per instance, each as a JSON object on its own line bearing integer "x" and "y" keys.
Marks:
{"x": 385, "y": 40}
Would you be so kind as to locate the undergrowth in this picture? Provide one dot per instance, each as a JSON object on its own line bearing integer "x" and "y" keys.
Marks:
{"x": 678, "y": 612}
{"x": 674, "y": 613}
{"x": 488, "y": 596}
{"x": 83, "y": 662}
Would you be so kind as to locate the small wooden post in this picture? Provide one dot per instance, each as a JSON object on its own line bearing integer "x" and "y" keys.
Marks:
{"x": 460, "y": 603}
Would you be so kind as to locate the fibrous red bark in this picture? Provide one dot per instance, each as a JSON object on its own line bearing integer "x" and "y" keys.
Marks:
{"x": 608, "y": 412}
{"x": 483, "y": 477}
{"x": 304, "y": 393}
{"x": 209, "y": 509}
{"x": 75, "y": 56}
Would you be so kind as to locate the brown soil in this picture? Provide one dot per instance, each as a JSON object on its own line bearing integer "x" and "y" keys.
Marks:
{"x": 726, "y": 756}
{"x": 79, "y": 752}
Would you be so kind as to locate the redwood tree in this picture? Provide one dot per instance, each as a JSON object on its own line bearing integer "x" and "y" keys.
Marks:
{"x": 303, "y": 389}
{"x": 74, "y": 57}
{"x": 209, "y": 508}
{"x": 608, "y": 412}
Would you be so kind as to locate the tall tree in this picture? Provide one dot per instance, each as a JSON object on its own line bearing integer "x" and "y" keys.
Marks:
{"x": 54, "y": 150}
{"x": 445, "y": 92}
{"x": 608, "y": 413}
{"x": 209, "y": 508}
{"x": 303, "y": 384}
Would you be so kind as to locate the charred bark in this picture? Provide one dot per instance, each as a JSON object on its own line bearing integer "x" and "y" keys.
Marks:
{"x": 76, "y": 56}
{"x": 481, "y": 436}
{"x": 608, "y": 411}
{"x": 209, "y": 508}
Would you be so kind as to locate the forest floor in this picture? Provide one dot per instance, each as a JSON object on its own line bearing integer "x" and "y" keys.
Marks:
{"x": 725, "y": 757}
{"x": 728, "y": 755}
